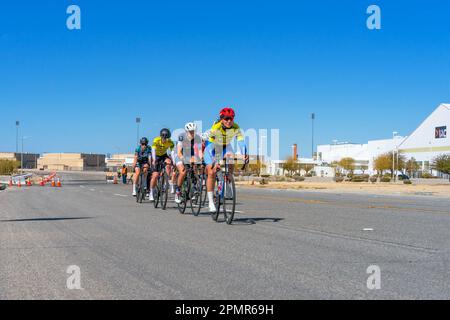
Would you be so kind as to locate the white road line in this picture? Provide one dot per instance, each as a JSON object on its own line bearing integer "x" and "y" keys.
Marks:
{"x": 120, "y": 195}
{"x": 367, "y": 229}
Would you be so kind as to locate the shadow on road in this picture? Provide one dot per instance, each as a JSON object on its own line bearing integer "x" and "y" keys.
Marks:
{"x": 251, "y": 221}
{"x": 46, "y": 219}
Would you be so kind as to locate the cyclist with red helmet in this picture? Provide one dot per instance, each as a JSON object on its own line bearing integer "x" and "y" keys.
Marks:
{"x": 222, "y": 132}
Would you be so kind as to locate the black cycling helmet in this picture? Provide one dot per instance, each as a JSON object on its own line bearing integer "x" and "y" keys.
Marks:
{"x": 144, "y": 140}
{"x": 165, "y": 133}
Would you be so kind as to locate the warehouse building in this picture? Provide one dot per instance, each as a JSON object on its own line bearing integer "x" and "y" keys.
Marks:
{"x": 72, "y": 162}
{"x": 29, "y": 159}
{"x": 425, "y": 143}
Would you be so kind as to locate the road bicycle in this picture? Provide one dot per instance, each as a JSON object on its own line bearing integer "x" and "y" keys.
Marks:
{"x": 162, "y": 187}
{"x": 225, "y": 190}
{"x": 191, "y": 190}
{"x": 140, "y": 187}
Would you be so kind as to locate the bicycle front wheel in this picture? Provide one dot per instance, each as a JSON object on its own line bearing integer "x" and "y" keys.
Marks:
{"x": 229, "y": 200}
{"x": 196, "y": 204}
{"x": 164, "y": 190}
{"x": 217, "y": 199}
{"x": 157, "y": 193}
{"x": 185, "y": 188}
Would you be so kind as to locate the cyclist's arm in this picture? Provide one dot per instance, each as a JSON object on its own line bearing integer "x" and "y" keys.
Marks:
{"x": 135, "y": 160}
{"x": 209, "y": 149}
{"x": 180, "y": 150}
{"x": 198, "y": 150}
{"x": 241, "y": 142}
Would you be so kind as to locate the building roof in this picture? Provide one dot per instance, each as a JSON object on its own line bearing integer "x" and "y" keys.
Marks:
{"x": 424, "y": 135}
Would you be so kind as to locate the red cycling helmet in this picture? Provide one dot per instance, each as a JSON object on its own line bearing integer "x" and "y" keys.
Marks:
{"x": 226, "y": 112}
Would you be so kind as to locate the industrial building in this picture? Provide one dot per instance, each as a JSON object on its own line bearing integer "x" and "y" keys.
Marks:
{"x": 424, "y": 144}
{"x": 72, "y": 162}
{"x": 118, "y": 160}
{"x": 29, "y": 159}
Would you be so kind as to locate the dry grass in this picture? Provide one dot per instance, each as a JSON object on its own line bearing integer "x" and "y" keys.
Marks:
{"x": 352, "y": 187}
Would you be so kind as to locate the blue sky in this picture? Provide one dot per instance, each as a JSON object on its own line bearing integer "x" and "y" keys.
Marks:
{"x": 168, "y": 62}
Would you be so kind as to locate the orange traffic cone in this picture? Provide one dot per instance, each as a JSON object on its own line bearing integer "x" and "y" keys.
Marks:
{"x": 18, "y": 183}
{"x": 53, "y": 182}
{"x": 10, "y": 182}
{"x": 58, "y": 184}
{"x": 29, "y": 182}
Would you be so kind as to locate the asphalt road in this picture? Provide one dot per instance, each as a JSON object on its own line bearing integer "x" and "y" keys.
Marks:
{"x": 283, "y": 245}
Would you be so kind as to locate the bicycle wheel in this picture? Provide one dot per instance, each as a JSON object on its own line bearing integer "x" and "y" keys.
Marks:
{"x": 157, "y": 192}
{"x": 142, "y": 193}
{"x": 184, "y": 195}
{"x": 196, "y": 204}
{"x": 204, "y": 194}
{"x": 164, "y": 190}
{"x": 229, "y": 200}
{"x": 217, "y": 198}
{"x": 138, "y": 191}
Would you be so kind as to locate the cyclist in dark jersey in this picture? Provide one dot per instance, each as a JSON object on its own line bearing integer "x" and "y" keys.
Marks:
{"x": 142, "y": 161}
{"x": 188, "y": 152}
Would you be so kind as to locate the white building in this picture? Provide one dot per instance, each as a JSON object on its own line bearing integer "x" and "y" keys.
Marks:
{"x": 424, "y": 144}
{"x": 429, "y": 139}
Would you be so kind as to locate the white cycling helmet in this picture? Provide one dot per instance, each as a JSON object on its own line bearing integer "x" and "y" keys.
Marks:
{"x": 206, "y": 135}
{"x": 190, "y": 126}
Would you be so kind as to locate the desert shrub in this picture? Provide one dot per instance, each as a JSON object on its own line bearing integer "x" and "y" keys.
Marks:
{"x": 373, "y": 179}
{"x": 298, "y": 178}
{"x": 338, "y": 179}
{"x": 360, "y": 178}
{"x": 407, "y": 181}
{"x": 385, "y": 179}
{"x": 8, "y": 167}
{"x": 427, "y": 175}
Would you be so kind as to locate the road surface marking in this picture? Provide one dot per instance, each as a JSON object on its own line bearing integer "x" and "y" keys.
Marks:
{"x": 91, "y": 189}
{"x": 368, "y": 229}
{"x": 120, "y": 195}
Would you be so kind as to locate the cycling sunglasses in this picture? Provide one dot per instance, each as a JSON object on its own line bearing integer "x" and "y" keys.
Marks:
{"x": 228, "y": 118}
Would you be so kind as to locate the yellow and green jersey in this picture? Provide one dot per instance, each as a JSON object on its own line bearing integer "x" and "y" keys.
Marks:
{"x": 160, "y": 147}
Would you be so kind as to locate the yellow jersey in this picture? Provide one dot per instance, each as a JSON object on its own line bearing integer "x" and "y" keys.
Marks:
{"x": 221, "y": 136}
{"x": 160, "y": 147}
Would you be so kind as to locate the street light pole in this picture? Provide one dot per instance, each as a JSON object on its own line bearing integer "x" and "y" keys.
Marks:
{"x": 138, "y": 121}
{"x": 21, "y": 154}
{"x": 17, "y": 136}
{"x": 312, "y": 134}
{"x": 393, "y": 154}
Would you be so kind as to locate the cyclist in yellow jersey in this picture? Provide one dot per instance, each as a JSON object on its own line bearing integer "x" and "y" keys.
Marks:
{"x": 160, "y": 147}
{"x": 222, "y": 133}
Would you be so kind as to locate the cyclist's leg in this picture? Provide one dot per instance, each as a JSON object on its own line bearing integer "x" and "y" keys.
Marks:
{"x": 145, "y": 171}
{"x": 181, "y": 173}
{"x": 155, "y": 175}
{"x": 211, "y": 173}
{"x": 137, "y": 171}
{"x": 181, "y": 176}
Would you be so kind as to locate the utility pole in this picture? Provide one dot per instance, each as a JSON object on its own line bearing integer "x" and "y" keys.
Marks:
{"x": 312, "y": 134}
{"x": 21, "y": 154}
{"x": 138, "y": 121}
{"x": 393, "y": 154}
{"x": 17, "y": 136}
